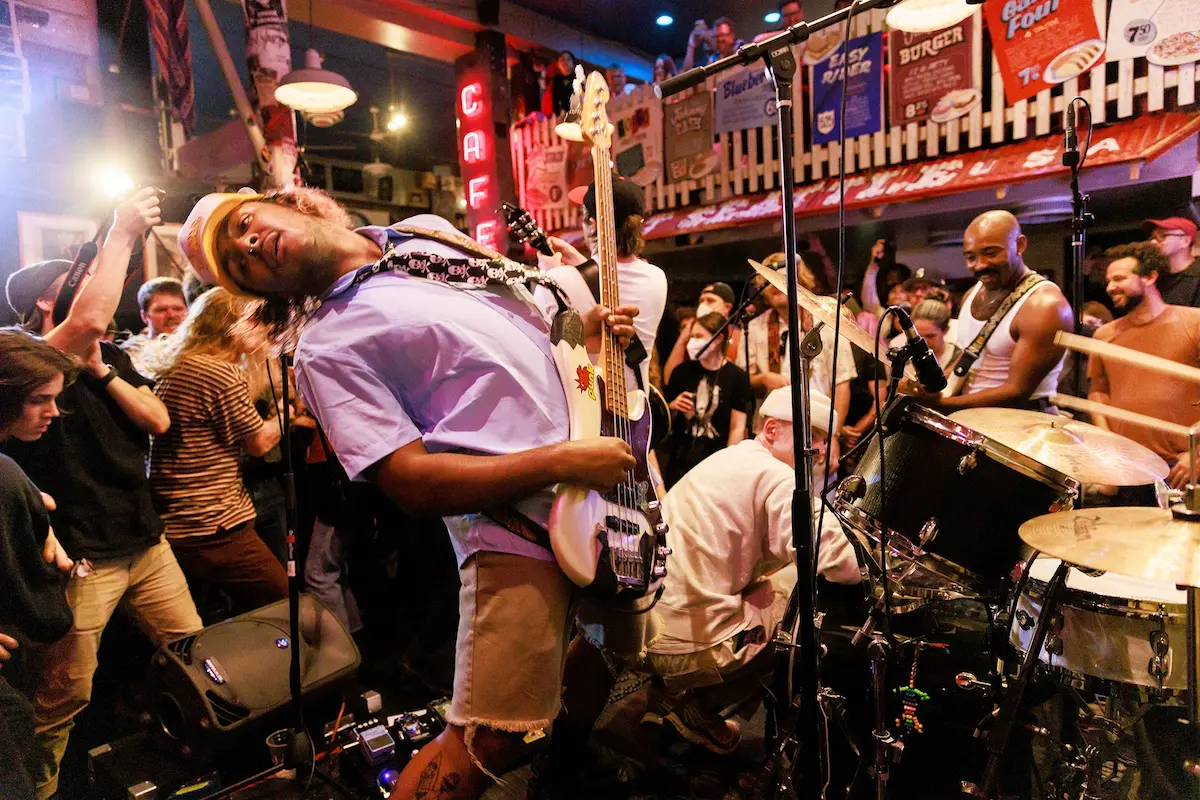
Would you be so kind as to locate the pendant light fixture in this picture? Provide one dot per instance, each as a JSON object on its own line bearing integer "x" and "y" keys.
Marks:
{"x": 925, "y": 16}
{"x": 314, "y": 90}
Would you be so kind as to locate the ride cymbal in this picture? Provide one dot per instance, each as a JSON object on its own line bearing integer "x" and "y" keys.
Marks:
{"x": 1085, "y": 452}
{"x": 1145, "y": 543}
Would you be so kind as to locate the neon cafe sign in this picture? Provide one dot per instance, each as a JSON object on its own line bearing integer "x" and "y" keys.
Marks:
{"x": 476, "y": 156}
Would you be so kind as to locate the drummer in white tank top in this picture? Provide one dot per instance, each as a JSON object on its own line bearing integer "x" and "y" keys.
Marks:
{"x": 993, "y": 366}
{"x": 1021, "y": 362}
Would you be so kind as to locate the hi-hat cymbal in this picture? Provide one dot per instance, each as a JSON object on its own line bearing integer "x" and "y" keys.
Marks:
{"x": 1141, "y": 542}
{"x": 1085, "y": 452}
{"x": 823, "y": 309}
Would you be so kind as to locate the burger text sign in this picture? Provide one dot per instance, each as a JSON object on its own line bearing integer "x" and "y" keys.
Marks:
{"x": 1042, "y": 43}
{"x": 932, "y": 74}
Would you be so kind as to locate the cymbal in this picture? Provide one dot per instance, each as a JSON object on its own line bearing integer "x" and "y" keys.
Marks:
{"x": 823, "y": 309}
{"x": 1144, "y": 543}
{"x": 1085, "y": 452}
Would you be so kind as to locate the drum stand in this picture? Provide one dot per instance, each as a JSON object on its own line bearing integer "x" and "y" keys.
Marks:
{"x": 1013, "y": 702}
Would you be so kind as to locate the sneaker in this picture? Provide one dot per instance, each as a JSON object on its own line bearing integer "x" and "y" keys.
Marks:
{"x": 710, "y": 731}
{"x": 683, "y": 713}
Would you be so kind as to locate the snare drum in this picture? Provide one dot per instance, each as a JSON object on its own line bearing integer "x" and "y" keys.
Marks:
{"x": 955, "y": 500}
{"x": 1106, "y": 629}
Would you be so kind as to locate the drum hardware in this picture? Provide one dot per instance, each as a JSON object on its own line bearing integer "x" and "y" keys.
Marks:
{"x": 967, "y": 681}
{"x": 967, "y": 463}
{"x": 1025, "y": 620}
{"x": 928, "y": 531}
{"x": 1013, "y": 702}
{"x": 1160, "y": 643}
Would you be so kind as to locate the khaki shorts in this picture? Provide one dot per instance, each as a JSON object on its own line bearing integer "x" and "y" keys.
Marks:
{"x": 515, "y": 622}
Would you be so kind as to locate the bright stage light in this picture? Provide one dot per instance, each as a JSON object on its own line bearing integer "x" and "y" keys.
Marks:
{"x": 397, "y": 120}
{"x": 664, "y": 20}
{"x": 773, "y": 17}
{"x": 113, "y": 181}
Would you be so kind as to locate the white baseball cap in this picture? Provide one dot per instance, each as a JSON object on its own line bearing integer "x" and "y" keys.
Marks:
{"x": 778, "y": 405}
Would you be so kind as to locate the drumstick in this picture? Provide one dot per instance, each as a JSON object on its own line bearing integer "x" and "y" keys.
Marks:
{"x": 1112, "y": 412}
{"x": 1164, "y": 366}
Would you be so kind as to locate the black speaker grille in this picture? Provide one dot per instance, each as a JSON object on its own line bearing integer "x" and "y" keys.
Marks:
{"x": 226, "y": 712}
{"x": 183, "y": 648}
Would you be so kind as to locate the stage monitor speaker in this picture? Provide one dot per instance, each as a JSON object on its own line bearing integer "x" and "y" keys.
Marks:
{"x": 213, "y": 689}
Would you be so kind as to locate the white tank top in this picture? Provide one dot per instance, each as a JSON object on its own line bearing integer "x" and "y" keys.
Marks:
{"x": 992, "y": 367}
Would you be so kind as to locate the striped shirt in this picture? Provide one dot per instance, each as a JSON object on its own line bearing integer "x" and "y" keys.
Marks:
{"x": 195, "y": 467}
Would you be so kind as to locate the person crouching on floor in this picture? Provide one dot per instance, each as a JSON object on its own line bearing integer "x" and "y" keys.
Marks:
{"x": 732, "y": 570}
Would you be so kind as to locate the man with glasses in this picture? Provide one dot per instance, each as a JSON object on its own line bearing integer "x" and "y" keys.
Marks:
{"x": 1174, "y": 237}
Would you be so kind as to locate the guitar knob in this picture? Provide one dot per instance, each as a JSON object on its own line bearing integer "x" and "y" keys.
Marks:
{"x": 653, "y": 506}
{"x": 661, "y": 529}
{"x": 664, "y": 551}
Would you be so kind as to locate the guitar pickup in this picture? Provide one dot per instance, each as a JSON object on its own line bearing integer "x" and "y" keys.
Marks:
{"x": 618, "y": 525}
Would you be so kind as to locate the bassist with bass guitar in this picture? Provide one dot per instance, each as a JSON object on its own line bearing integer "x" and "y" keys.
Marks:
{"x": 445, "y": 393}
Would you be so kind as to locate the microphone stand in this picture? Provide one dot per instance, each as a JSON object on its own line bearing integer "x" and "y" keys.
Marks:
{"x": 780, "y": 62}
{"x": 1080, "y": 219}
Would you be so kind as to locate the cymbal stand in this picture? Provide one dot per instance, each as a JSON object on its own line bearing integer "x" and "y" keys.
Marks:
{"x": 1189, "y": 510}
{"x": 1011, "y": 705}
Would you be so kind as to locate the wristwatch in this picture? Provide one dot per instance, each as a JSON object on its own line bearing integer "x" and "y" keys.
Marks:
{"x": 108, "y": 378}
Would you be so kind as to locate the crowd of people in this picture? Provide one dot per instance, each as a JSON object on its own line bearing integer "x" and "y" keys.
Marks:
{"x": 551, "y": 80}
{"x": 141, "y": 477}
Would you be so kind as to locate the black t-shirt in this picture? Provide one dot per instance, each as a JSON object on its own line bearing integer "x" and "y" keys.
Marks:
{"x": 717, "y": 395}
{"x": 33, "y": 594}
{"x": 93, "y": 461}
{"x": 1181, "y": 288}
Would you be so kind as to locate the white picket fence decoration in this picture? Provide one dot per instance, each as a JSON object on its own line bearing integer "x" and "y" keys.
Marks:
{"x": 748, "y": 158}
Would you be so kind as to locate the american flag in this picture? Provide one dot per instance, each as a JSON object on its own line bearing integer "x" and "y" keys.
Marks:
{"x": 173, "y": 50}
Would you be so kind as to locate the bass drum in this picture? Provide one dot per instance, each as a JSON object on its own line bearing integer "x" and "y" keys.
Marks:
{"x": 954, "y": 501}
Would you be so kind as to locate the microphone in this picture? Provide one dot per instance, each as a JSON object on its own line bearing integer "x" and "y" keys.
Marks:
{"x": 1070, "y": 157}
{"x": 929, "y": 372}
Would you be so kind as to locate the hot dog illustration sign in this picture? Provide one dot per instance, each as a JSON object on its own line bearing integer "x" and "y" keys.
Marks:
{"x": 1042, "y": 43}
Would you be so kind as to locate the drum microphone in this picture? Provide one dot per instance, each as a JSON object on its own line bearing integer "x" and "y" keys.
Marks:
{"x": 929, "y": 372}
{"x": 1070, "y": 156}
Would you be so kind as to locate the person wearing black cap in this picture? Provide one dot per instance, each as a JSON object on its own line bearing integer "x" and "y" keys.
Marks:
{"x": 639, "y": 282}
{"x": 93, "y": 462}
{"x": 715, "y": 298}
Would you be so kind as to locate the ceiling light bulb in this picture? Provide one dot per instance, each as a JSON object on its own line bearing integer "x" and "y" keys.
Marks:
{"x": 396, "y": 121}
{"x": 664, "y": 20}
{"x": 773, "y": 17}
{"x": 926, "y": 16}
{"x": 314, "y": 89}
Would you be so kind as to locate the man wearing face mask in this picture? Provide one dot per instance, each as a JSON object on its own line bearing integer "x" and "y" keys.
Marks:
{"x": 715, "y": 298}
{"x": 732, "y": 570}
{"x": 709, "y": 399}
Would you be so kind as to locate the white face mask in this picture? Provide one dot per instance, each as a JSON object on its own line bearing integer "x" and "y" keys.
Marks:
{"x": 705, "y": 308}
{"x": 694, "y": 346}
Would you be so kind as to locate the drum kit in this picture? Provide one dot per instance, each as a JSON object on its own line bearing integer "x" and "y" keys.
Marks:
{"x": 1093, "y": 611}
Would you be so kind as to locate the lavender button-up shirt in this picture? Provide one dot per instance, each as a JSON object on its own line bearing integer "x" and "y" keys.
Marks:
{"x": 395, "y": 359}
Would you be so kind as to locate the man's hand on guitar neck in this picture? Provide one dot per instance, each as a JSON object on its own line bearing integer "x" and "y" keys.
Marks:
{"x": 620, "y": 322}
{"x": 570, "y": 255}
{"x": 598, "y": 464}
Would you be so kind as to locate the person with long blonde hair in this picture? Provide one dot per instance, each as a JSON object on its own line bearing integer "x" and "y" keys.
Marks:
{"x": 195, "y": 467}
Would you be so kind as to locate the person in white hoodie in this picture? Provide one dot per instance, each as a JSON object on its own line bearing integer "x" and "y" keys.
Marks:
{"x": 732, "y": 570}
